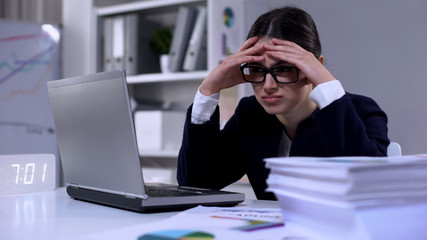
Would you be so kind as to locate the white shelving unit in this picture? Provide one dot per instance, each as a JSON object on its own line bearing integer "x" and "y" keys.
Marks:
{"x": 148, "y": 7}
{"x": 167, "y": 77}
{"x": 162, "y": 153}
{"x": 169, "y": 87}
{"x": 142, "y": 5}
{"x": 82, "y": 49}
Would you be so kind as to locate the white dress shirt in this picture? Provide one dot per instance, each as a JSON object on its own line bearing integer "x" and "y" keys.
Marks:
{"x": 323, "y": 95}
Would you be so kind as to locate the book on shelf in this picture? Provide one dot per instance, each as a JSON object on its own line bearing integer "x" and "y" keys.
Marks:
{"x": 181, "y": 35}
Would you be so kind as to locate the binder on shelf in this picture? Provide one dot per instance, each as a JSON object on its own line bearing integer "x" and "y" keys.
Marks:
{"x": 196, "y": 55}
{"x": 130, "y": 57}
{"x": 118, "y": 41}
{"x": 181, "y": 35}
{"x": 120, "y": 49}
{"x": 107, "y": 44}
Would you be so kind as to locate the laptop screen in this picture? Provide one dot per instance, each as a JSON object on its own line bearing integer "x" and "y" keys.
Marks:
{"x": 95, "y": 131}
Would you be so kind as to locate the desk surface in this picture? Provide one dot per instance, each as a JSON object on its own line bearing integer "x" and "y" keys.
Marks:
{"x": 54, "y": 215}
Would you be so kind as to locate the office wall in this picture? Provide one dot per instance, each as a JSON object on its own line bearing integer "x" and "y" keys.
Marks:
{"x": 376, "y": 48}
{"x": 379, "y": 49}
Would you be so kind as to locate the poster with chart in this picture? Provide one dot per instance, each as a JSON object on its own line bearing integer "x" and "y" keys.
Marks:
{"x": 29, "y": 57}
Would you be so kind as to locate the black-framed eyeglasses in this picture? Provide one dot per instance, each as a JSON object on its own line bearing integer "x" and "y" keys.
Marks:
{"x": 280, "y": 74}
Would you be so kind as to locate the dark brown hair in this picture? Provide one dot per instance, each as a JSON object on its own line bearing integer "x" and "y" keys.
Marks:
{"x": 289, "y": 23}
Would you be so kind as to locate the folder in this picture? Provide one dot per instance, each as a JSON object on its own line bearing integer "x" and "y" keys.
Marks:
{"x": 131, "y": 44}
{"x": 196, "y": 55}
{"x": 118, "y": 41}
{"x": 108, "y": 44}
{"x": 181, "y": 35}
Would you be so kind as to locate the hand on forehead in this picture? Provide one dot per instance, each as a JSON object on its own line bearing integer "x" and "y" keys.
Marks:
{"x": 268, "y": 61}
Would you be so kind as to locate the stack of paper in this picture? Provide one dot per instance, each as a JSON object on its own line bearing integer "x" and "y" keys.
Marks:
{"x": 342, "y": 195}
{"x": 351, "y": 179}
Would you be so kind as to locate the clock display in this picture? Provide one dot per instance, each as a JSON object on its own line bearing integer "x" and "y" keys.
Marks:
{"x": 26, "y": 173}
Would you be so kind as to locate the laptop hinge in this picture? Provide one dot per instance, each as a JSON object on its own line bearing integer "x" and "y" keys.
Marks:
{"x": 134, "y": 196}
{"x": 73, "y": 185}
{"x": 130, "y": 195}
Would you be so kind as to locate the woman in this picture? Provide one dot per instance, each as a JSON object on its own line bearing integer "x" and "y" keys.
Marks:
{"x": 299, "y": 109}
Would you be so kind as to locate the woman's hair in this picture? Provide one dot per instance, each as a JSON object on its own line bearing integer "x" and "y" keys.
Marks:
{"x": 289, "y": 23}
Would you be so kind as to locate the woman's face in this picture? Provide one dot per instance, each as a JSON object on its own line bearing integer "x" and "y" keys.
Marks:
{"x": 281, "y": 99}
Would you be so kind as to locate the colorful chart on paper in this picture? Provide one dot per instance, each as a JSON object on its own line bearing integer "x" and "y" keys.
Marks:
{"x": 177, "y": 235}
{"x": 29, "y": 57}
{"x": 228, "y": 17}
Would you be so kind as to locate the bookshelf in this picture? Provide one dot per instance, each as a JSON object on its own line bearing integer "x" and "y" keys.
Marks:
{"x": 161, "y": 14}
{"x": 175, "y": 87}
{"x": 171, "y": 87}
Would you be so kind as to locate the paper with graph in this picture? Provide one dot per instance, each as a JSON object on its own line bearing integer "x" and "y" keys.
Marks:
{"x": 29, "y": 56}
{"x": 208, "y": 223}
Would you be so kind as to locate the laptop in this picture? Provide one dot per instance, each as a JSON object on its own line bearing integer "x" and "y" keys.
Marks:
{"x": 99, "y": 153}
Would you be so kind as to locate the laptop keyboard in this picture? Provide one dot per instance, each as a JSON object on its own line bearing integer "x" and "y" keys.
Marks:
{"x": 165, "y": 192}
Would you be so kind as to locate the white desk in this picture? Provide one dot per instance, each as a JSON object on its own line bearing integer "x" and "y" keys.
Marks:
{"x": 54, "y": 215}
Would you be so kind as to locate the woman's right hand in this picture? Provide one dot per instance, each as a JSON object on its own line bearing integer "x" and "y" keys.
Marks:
{"x": 227, "y": 74}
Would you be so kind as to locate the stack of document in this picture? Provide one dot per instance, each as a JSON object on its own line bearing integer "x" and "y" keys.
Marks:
{"x": 352, "y": 197}
{"x": 357, "y": 180}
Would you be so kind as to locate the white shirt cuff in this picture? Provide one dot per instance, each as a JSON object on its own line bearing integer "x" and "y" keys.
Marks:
{"x": 325, "y": 93}
{"x": 203, "y": 107}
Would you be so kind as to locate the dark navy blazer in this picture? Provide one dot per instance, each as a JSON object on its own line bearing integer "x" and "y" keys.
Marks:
{"x": 353, "y": 125}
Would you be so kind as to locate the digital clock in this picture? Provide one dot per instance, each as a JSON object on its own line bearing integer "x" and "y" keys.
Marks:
{"x": 22, "y": 173}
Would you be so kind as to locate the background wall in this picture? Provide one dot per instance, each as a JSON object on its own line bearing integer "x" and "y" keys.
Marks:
{"x": 376, "y": 48}
{"x": 379, "y": 49}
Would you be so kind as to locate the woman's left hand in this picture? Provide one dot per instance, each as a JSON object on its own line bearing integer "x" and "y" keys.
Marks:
{"x": 304, "y": 60}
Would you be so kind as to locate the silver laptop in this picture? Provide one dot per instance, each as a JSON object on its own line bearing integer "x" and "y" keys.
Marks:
{"x": 99, "y": 154}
